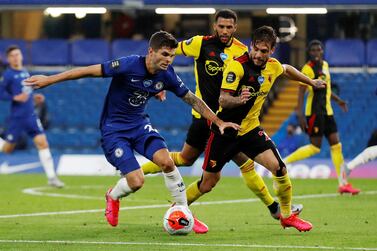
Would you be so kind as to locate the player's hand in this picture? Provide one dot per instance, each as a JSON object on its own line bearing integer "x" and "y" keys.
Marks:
{"x": 223, "y": 125}
{"x": 39, "y": 96}
{"x": 161, "y": 96}
{"x": 37, "y": 81}
{"x": 343, "y": 105}
{"x": 318, "y": 84}
{"x": 245, "y": 95}
{"x": 22, "y": 98}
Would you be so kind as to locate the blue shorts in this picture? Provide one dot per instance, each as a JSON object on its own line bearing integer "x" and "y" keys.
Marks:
{"x": 119, "y": 146}
{"x": 16, "y": 126}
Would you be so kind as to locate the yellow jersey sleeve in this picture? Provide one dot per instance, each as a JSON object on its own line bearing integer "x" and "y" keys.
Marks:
{"x": 275, "y": 66}
{"x": 190, "y": 47}
{"x": 308, "y": 71}
{"x": 232, "y": 75}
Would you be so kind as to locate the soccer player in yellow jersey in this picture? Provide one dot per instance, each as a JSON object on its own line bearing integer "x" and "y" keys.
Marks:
{"x": 320, "y": 120}
{"x": 246, "y": 83}
{"x": 211, "y": 54}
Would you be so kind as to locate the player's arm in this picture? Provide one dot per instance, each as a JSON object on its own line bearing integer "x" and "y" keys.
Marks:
{"x": 231, "y": 79}
{"x": 9, "y": 94}
{"x": 201, "y": 107}
{"x": 4, "y": 94}
{"x": 294, "y": 74}
{"x": 342, "y": 103}
{"x": 300, "y": 107}
{"x": 190, "y": 47}
{"x": 40, "y": 81}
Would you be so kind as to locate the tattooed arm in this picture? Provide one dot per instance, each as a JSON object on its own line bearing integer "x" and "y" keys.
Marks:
{"x": 198, "y": 105}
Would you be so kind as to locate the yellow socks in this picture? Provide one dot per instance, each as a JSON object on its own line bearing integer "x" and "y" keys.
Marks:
{"x": 337, "y": 160}
{"x": 255, "y": 182}
{"x": 192, "y": 192}
{"x": 302, "y": 153}
{"x": 150, "y": 167}
{"x": 283, "y": 190}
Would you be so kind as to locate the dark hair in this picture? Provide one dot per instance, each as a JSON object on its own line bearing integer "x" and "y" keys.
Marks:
{"x": 11, "y": 48}
{"x": 264, "y": 34}
{"x": 162, "y": 39}
{"x": 227, "y": 14}
{"x": 313, "y": 43}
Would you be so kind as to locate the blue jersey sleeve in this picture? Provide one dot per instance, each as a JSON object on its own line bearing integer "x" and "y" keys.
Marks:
{"x": 116, "y": 67}
{"x": 4, "y": 94}
{"x": 176, "y": 85}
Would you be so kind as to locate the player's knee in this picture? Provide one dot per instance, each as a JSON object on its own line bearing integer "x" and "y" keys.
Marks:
{"x": 167, "y": 165}
{"x": 207, "y": 185}
{"x": 188, "y": 161}
{"x": 279, "y": 170}
{"x": 136, "y": 183}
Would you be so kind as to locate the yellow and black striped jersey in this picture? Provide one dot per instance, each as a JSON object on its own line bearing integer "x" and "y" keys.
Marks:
{"x": 319, "y": 100}
{"x": 210, "y": 56}
{"x": 242, "y": 73}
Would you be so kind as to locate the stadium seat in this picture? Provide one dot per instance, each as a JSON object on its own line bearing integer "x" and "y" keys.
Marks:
{"x": 372, "y": 53}
{"x": 50, "y": 52}
{"x": 126, "y": 47}
{"x": 343, "y": 53}
{"x": 5, "y": 43}
{"x": 90, "y": 51}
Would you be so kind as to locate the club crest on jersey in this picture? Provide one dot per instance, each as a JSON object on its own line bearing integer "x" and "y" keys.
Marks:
{"x": 115, "y": 64}
{"x": 223, "y": 56}
{"x": 188, "y": 41}
{"x": 159, "y": 85}
{"x": 118, "y": 152}
{"x": 147, "y": 82}
{"x": 260, "y": 80}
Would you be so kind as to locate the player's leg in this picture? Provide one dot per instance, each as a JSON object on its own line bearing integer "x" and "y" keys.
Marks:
{"x": 369, "y": 154}
{"x": 119, "y": 153}
{"x": 259, "y": 146}
{"x": 12, "y": 134}
{"x": 196, "y": 140}
{"x": 315, "y": 131}
{"x": 256, "y": 184}
{"x": 6, "y": 147}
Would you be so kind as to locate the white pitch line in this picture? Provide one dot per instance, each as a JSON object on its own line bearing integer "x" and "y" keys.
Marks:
{"x": 175, "y": 244}
{"x": 167, "y": 205}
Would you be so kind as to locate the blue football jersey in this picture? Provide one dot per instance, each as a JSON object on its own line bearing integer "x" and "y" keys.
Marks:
{"x": 130, "y": 89}
{"x": 11, "y": 86}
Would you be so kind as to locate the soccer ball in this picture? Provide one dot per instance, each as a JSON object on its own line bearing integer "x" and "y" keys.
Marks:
{"x": 178, "y": 220}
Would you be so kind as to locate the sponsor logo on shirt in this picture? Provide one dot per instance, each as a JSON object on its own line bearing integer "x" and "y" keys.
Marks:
{"x": 213, "y": 68}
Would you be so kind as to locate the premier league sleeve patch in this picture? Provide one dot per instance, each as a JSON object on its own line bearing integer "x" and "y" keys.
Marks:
{"x": 231, "y": 77}
{"x": 188, "y": 41}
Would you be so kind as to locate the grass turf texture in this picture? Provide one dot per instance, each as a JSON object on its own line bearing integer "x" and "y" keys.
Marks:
{"x": 339, "y": 221}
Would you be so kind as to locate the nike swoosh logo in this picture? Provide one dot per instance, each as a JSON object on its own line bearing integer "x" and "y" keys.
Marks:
{"x": 135, "y": 80}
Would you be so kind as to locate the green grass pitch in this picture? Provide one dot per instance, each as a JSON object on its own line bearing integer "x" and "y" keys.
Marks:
{"x": 237, "y": 221}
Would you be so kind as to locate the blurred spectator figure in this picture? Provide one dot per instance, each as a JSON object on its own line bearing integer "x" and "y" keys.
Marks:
{"x": 40, "y": 109}
{"x": 293, "y": 140}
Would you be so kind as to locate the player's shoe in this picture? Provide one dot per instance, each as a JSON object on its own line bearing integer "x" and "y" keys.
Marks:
{"x": 199, "y": 227}
{"x": 112, "y": 209}
{"x": 348, "y": 189}
{"x": 55, "y": 182}
{"x": 295, "y": 208}
{"x": 296, "y": 222}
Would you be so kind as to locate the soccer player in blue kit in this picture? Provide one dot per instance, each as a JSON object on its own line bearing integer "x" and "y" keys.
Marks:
{"x": 124, "y": 125}
{"x": 22, "y": 116}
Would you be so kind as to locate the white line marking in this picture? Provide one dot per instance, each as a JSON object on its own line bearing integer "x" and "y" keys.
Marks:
{"x": 167, "y": 205}
{"x": 183, "y": 244}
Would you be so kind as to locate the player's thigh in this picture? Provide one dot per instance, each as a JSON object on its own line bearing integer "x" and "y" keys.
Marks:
{"x": 219, "y": 151}
{"x": 316, "y": 128}
{"x": 147, "y": 141}
{"x": 331, "y": 130}
{"x": 33, "y": 127}
{"x": 190, "y": 153}
{"x": 197, "y": 136}
{"x": 240, "y": 158}
{"x": 14, "y": 131}
{"x": 119, "y": 153}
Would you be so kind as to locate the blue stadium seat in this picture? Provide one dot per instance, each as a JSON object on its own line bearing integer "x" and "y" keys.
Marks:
{"x": 5, "y": 43}
{"x": 50, "y": 52}
{"x": 372, "y": 53}
{"x": 349, "y": 52}
{"x": 126, "y": 47}
{"x": 90, "y": 51}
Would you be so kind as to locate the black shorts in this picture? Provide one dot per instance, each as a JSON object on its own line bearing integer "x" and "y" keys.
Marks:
{"x": 221, "y": 149}
{"x": 198, "y": 133}
{"x": 319, "y": 125}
